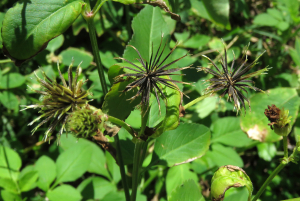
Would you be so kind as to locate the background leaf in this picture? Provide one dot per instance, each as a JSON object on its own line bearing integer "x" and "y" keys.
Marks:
{"x": 64, "y": 193}
{"x": 187, "y": 191}
{"x": 46, "y": 169}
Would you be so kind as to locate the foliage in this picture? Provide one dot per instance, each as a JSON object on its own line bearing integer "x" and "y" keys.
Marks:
{"x": 194, "y": 134}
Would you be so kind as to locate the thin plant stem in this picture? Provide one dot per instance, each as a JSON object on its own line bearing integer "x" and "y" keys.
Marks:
{"x": 269, "y": 179}
{"x": 123, "y": 124}
{"x": 193, "y": 102}
{"x": 89, "y": 17}
{"x": 5, "y": 61}
{"x": 285, "y": 146}
{"x": 122, "y": 169}
{"x": 139, "y": 153}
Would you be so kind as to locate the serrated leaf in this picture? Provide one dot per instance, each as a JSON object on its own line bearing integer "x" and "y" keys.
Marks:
{"x": 30, "y": 25}
{"x": 185, "y": 144}
{"x": 186, "y": 192}
{"x": 72, "y": 163}
{"x": 64, "y": 193}
{"x": 255, "y": 123}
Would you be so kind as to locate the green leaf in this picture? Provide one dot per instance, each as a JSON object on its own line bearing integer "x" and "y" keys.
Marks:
{"x": 266, "y": 151}
{"x": 28, "y": 181}
{"x": 64, "y": 193}
{"x": 72, "y": 163}
{"x": 55, "y": 43}
{"x": 255, "y": 123}
{"x": 1, "y": 20}
{"x": 98, "y": 161}
{"x": 95, "y": 188}
{"x": 11, "y": 80}
{"x": 185, "y": 144}
{"x": 218, "y": 11}
{"x": 224, "y": 156}
{"x": 236, "y": 194}
{"x": 227, "y": 131}
{"x": 46, "y": 169}
{"x": 265, "y": 19}
{"x": 165, "y": 5}
{"x": 9, "y": 185}
{"x": 116, "y": 103}
{"x": 30, "y": 25}
{"x": 9, "y": 100}
{"x": 206, "y": 106}
{"x": 186, "y": 192}
{"x": 197, "y": 41}
{"x": 8, "y": 196}
{"x": 177, "y": 175}
{"x": 10, "y": 163}
{"x": 78, "y": 55}
{"x": 127, "y": 146}
{"x": 113, "y": 167}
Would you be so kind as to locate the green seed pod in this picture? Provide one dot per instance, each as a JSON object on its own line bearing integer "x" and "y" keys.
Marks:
{"x": 86, "y": 122}
{"x": 227, "y": 177}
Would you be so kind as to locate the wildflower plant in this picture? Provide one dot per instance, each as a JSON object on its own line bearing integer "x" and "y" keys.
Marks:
{"x": 168, "y": 139}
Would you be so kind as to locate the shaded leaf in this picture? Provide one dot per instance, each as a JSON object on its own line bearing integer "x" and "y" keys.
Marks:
{"x": 28, "y": 181}
{"x": 30, "y": 25}
{"x": 11, "y": 80}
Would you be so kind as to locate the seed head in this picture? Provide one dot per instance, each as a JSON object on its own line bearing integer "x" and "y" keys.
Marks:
{"x": 59, "y": 100}
{"x": 233, "y": 81}
{"x": 279, "y": 120}
{"x": 151, "y": 75}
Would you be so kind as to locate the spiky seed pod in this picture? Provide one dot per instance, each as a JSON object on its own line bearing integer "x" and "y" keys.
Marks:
{"x": 151, "y": 75}
{"x": 85, "y": 122}
{"x": 233, "y": 81}
{"x": 58, "y": 100}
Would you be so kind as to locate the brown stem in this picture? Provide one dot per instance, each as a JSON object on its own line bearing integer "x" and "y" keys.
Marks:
{"x": 102, "y": 140}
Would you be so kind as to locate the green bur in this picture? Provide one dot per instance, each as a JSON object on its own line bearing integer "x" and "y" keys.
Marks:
{"x": 227, "y": 177}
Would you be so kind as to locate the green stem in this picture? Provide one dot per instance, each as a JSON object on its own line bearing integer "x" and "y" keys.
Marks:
{"x": 193, "y": 102}
{"x": 122, "y": 167}
{"x": 122, "y": 124}
{"x": 89, "y": 17}
{"x": 139, "y": 153}
{"x": 5, "y": 61}
{"x": 269, "y": 179}
{"x": 285, "y": 146}
{"x": 98, "y": 6}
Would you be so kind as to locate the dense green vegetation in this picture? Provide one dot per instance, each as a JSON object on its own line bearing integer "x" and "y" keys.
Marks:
{"x": 186, "y": 148}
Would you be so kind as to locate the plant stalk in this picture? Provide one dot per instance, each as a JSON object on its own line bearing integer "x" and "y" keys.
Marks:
{"x": 269, "y": 179}
{"x": 285, "y": 146}
{"x": 139, "y": 153}
{"x": 122, "y": 124}
{"x": 122, "y": 168}
{"x": 94, "y": 43}
{"x": 193, "y": 102}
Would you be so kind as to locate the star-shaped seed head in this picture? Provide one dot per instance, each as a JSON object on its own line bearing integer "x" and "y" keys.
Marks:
{"x": 151, "y": 75}
{"x": 234, "y": 80}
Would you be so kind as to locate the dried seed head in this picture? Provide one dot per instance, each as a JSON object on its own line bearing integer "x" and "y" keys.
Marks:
{"x": 232, "y": 80}
{"x": 279, "y": 120}
{"x": 58, "y": 100}
{"x": 151, "y": 75}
